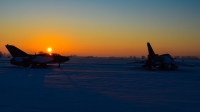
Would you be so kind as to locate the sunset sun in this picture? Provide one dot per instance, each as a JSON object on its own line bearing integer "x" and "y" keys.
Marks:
{"x": 49, "y": 50}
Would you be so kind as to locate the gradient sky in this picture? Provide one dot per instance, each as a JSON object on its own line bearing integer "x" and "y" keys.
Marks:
{"x": 101, "y": 27}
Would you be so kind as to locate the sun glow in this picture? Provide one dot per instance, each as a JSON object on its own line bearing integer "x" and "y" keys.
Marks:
{"x": 49, "y": 50}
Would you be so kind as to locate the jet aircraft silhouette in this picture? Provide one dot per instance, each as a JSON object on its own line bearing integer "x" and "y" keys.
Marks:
{"x": 164, "y": 61}
{"x": 20, "y": 58}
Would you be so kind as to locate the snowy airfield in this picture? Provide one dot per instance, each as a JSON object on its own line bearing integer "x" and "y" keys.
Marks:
{"x": 99, "y": 85}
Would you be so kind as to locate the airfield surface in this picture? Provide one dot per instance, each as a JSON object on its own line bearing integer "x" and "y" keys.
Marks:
{"x": 99, "y": 85}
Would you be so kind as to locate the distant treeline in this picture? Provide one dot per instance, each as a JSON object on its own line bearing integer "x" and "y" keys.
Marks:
{"x": 4, "y": 55}
{"x": 186, "y": 57}
{"x": 131, "y": 57}
{"x": 134, "y": 57}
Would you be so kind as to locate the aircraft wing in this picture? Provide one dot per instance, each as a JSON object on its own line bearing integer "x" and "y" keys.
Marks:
{"x": 42, "y": 59}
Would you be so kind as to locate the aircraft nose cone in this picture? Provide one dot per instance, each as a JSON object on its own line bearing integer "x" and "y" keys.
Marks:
{"x": 63, "y": 59}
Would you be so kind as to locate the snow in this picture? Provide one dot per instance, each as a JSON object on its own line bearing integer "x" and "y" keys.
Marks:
{"x": 99, "y": 85}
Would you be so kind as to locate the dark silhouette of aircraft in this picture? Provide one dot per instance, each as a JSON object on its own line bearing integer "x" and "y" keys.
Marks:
{"x": 164, "y": 61}
{"x": 20, "y": 58}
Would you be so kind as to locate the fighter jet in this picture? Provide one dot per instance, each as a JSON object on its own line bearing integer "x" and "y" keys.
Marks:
{"x": 20, "y": 58}
{"x": 164, "y": 61}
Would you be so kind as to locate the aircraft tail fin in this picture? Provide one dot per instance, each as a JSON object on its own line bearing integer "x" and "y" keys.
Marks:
{"x": 16, "y": 52}
{"x": 151, "y": 52}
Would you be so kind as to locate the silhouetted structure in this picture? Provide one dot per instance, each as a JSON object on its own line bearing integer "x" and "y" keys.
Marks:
{"x": 20, "y": 58}
{"x": 164, "y": 61}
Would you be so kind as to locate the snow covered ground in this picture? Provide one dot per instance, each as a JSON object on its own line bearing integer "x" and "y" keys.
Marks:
{"x": 99, "y": 85}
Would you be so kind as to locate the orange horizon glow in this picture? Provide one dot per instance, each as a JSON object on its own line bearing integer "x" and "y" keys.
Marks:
{"x": 106, "y": 29}
{"x": 103, "y": 52}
